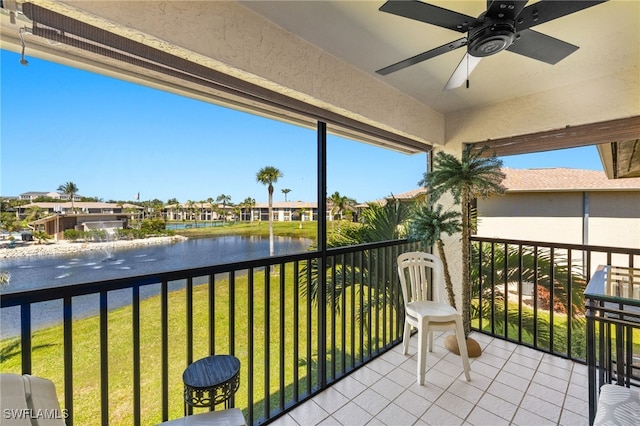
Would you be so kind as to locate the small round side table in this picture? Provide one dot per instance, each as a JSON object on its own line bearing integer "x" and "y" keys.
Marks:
{"x": 211, "y": 381}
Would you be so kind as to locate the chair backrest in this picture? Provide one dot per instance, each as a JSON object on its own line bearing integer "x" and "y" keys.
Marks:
{"x": 29, "y": 401}
{"x": 414, "y": 269}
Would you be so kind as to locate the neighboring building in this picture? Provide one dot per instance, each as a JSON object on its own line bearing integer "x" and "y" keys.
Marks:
{"x": 560, "y": 205}
{"x": 78, "y": 207}
{"x": 283, "y": 211}
{"x": 83, "y": 216}
{"x": 32, "y": 195}
{"x": 287, "y": 211}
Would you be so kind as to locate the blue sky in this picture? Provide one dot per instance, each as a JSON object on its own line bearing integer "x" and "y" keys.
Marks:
{"x": 114, "y": 139}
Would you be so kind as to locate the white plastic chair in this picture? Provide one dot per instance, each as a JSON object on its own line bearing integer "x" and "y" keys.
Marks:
{"x": 29, "y": 401}
{"x": 426, "y": 308}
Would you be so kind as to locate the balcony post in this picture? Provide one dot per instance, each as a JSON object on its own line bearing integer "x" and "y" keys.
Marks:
{"x": 322, "y": 247}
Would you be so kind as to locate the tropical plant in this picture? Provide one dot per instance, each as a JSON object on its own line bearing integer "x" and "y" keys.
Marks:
{"x": 301, "y": 212}
{"x": 500, "y": 266}
{"x": 383, "y": 222}
{"x": 237, "y": 211}
{"x": 268, "y": 176}
{"x": 191, "y": 205}
{"x": 285, "y": 191}
{"x": 73, "y": 234}
{"x": 339, "y": 204}
{"x": 70, "y": 189}
{"x": 8, "y": 222}
{"x": 224, "y": 200}
{"x": 248, "y": 204}
{"x": 465, "y": 178}
{"x": 428, "y": 224}
{"x": 41, "y": 236}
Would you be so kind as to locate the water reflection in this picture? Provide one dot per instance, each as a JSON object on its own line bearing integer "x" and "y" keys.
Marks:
{"x": 54, "y": 271}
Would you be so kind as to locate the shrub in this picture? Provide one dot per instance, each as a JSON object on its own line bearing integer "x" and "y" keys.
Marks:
{"x": 73, "y": 234}
{"x": 152, "y": 226}
{"x": 96, "y": 235}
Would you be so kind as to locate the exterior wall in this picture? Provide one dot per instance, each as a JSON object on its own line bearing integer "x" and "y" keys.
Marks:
{"x": 550, "y": 217}
{"x": 613, "y": 218}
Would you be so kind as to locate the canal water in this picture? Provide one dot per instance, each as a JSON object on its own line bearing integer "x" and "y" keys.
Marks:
{"x": 52, "y": 271}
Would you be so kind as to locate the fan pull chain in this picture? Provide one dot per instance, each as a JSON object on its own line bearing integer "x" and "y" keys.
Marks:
{"x": 467, "y": 56}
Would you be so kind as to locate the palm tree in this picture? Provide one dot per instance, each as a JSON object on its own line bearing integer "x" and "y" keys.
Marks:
{"x": 469, "y": 177}
{"x": 248, "y": 204}
{"x": 70, "y": 189}
{"x": 339, "y": 204}
{"x": 224, "y": 199}
{"x": 385, "y": 222}
{"x": 301, "y": 212}
{"x": 190, "y": 211}
{"x": 268, "y": 176}
{"x": 381, "y": 223}
{"x": 285, "y": 191}
{"x": 427, "y": 225}
{"x": 210, "y": 201}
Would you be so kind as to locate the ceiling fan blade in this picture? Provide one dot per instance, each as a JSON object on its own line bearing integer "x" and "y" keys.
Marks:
{"x": 423, "y": 56}
{"x": 542, "y": 47}
{"x": 430, "y": 14}
{"x": 548, "y": 10}
{"x": 505, "y": 9}
{"x": 460, "y": 75}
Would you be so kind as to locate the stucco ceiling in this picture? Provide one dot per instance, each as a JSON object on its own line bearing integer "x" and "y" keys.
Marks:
{"x": 607, "y": 34}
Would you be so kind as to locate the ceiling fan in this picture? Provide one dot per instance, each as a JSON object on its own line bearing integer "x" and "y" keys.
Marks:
{"x": 505, "y": 25}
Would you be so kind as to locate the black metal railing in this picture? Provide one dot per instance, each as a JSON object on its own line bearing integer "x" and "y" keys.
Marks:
{"x": 532, "y": 293}
{"x": 124, "y": 365}
{"x": 613, "y": 330}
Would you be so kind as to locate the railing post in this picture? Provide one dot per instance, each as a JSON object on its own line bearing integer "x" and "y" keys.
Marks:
{"x": 322, "y": 247}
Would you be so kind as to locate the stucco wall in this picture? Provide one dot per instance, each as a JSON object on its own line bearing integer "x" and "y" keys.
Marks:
{"x": 613, "y": 218}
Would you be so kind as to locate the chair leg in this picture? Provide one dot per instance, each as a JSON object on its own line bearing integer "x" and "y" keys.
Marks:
{"x": 431, "y": 341}
{"x": 423, "y": 332}
{"x": 405, "y": 338}
{"x": 462, "y": 345}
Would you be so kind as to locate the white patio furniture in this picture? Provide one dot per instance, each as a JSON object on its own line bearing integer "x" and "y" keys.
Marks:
{"x": 426, "y": 308}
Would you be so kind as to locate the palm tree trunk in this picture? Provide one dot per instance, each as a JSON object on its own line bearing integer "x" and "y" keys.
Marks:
{"x": 271, "y": 250}
{"x": 466, "y": 264}
{"x": 447, "y": 277}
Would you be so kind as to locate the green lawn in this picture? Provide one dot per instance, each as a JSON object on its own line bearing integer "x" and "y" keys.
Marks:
{"x": 249, "y": 337}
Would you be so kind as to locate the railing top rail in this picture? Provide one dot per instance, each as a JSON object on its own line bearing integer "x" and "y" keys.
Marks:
{"x": 91, "y": 287}
{"x": 363, "y": 247}
{"x": 585, "y": 247}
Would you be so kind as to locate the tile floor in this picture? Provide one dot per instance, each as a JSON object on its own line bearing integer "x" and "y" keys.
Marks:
{"x": 510, "y": 384}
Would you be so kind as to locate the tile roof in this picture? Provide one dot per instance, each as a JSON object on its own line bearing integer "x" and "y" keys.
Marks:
{"x": 563, "y": 179}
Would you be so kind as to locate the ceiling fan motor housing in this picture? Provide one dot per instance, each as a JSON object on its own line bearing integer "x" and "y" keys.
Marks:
{"x": 491, "y": 38}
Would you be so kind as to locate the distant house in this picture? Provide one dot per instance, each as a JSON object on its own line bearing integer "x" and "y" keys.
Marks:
{"x": 83, "y": 216}
{"x": 33, "y": 195}
{"x": 283, "y": 211}
{"x": 286, "y": 211}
